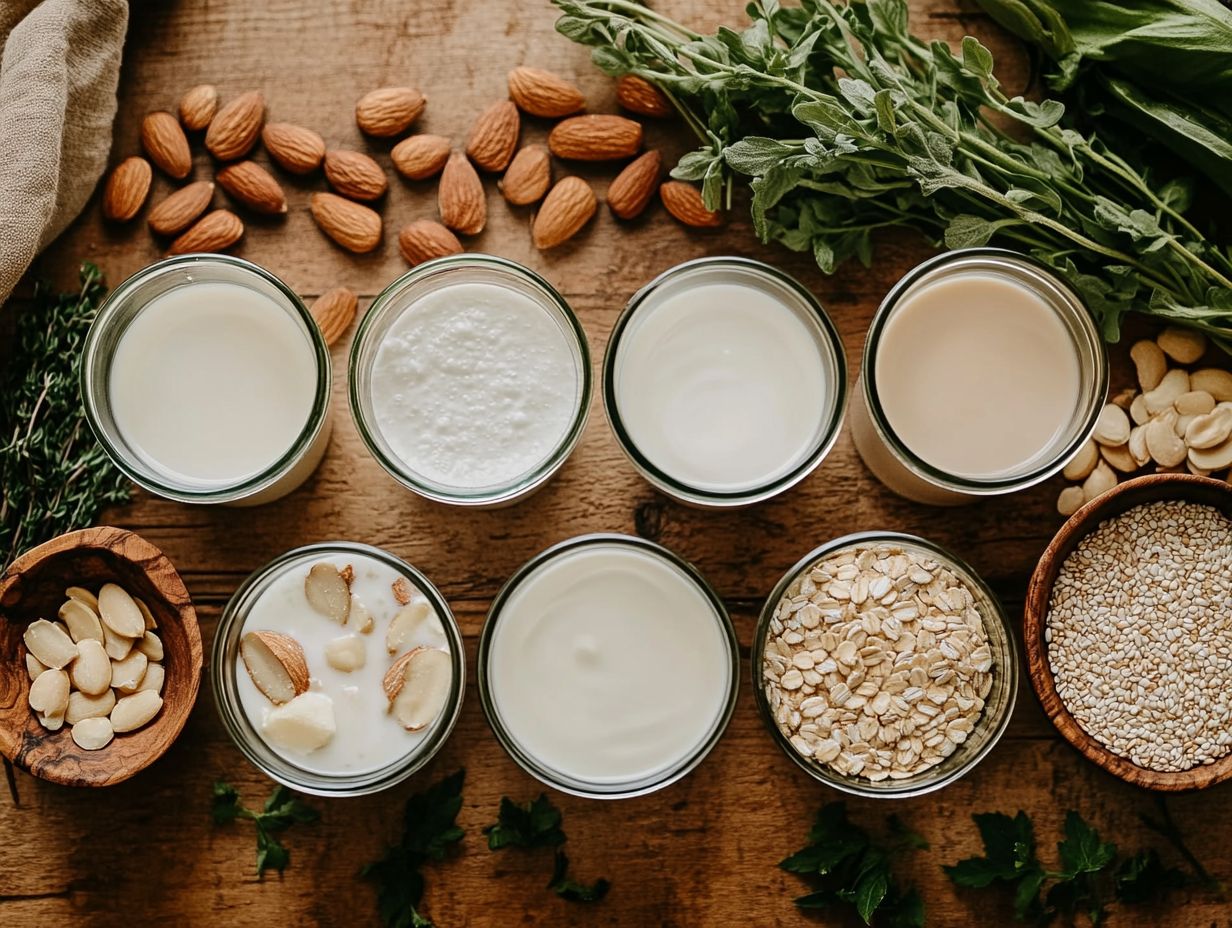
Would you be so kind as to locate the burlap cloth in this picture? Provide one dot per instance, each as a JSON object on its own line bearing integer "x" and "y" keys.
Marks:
{"x": 58, "y": 72}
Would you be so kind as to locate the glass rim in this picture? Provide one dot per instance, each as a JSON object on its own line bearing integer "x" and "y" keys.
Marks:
{"x": 368, "y": 430}
{"x": 243, "y": 732}
{"x": 831, "y": 343}
{"x": 887, "y": 789}
{"x": 112, "y": 441}
{"x": 672, "y": 773}
{"x": 1090, "y": 337}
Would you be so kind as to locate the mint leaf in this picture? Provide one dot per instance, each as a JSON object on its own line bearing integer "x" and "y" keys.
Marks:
{"x": 537, "y": 824}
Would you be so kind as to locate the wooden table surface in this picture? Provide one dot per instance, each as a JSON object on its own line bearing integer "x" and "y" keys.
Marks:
{"x": 702, "y": 852}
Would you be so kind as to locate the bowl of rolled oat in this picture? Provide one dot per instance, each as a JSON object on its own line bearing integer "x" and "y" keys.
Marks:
{"x": 1128, "y": 631}
{"x": 884, "y": 666}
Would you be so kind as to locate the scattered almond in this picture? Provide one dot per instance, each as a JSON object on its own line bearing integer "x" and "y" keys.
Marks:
{"x": 198, "y": 106}
{"x": 542, "y": 93}
{"x": 253, "y": 186}
{"x": 529, "y": 176}
{"x": 234, "y": 129}
{"x": 355, "y": 175}
{"x": 164, "y": 141}
{"x": 389, "y": 111}
{"x": 494, "y": 136}
{"x": 181, "y": 209}
{"x": 638, "y": 95}
{"x": 631, "y": 191}
{"x": 352, "y": 225}
{"x": 328, "y": 592}
{"x": 595, "y": 138}
{"x": 460, "y": 198}
{"x": 420, "y": 156}
{"x": 213, "y": 232}
{"x": 684, "y": 202}
{"x": 334, "y": 311}
{"x": 293, "y": 148}
{"x": 418, "y": 687}
{"x": 568, "y": 206}
{"x": 423, "y": 240}
{"x": 276, "y": 664}
{"x": 127, "y": 188}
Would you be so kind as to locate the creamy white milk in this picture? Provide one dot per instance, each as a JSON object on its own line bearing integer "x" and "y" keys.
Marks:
{"x": 367, "y": 737}
{"x": 608, "y": 664}
{"x": 212, "y": 383}
{"x": 977, "y": 375}
{"x": 721, "y": 386}
{"x": 474, "y": 385}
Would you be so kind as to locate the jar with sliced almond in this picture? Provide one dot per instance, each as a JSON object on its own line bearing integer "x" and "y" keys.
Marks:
{"x": 338, "y": 669}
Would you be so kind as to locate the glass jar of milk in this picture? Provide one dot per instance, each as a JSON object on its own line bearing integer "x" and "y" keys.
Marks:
{"x": 470, "y": 380}
{"x": 207, "y": 381}
{"x": 725, "y": 382}
{"x": 983, "y": 374}
{"x": 362, "y": 713}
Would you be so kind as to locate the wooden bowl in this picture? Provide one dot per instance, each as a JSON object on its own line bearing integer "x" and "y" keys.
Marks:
{"x": 32, "y": 588}
{"x": 1151, "y": 488}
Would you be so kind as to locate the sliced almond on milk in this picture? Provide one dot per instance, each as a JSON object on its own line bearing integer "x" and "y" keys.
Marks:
{"x": 116, "y": 646}
{"x": 131, "y": 712}
{"x": 409, "y": 621}
{"x": 120, "y": 612}
{"x": 276, "y": 664}
{"x": 417, "y": 686}
{"x": 304, "y": 724}
{"x": 81, "y": 621}
{"x": 82, "y": 595}
{"x": 151, "y": 646}
{"x": 360, "y": 617}
{"x": 91, "y": 672}
{"x": 49, "y": 643}
{"x": 49, "y": 693}
{"x": 81, "y": 706}
{"x": 328, "y": 592}
{"x": 93, "y": 734}
{"x": 346, "y": 653}
{"x": 153, "y": 679}
{"x": 126, "y": 675}
{"x": 34, "y": 666}
{"x": 146, "y": 614}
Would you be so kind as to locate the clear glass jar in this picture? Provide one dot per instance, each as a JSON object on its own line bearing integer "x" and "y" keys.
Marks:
{"x": 395, "y": 301}
{"x": 906, "y": 473}
{"x": 783, "y": 289}
{"x": 226, "y": 665}
{"x": 124, "y": 304}
{"x": 998, "y": 706}
{"x": 609, "y": 789}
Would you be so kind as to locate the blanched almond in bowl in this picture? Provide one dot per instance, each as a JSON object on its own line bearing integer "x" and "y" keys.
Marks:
{"x": 82, "y": 706}
{"x": 150, "y": 623}
{"x": 116, "y": 646}
{"x": 417, "y": 686}
{"x": 119, "y": 612}
{"x": 276, "y": 664}
{"x": 328, "y": 592}
{"x": 153, "y": 679}
{"x": 49, "y": 693}
{"x": 91, "y": 672}
{"x": 34, "y": 666}
{"x": 81, "y": 621}
{"x": 47, "y": 642}
{"x": 81, "y": 594}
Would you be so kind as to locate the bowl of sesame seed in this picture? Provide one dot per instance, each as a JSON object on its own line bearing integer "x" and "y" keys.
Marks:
{"x": 1128, "y": 631}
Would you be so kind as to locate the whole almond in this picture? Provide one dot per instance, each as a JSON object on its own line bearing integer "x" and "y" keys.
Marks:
{"x": 423, "y": 240}
{"x": 355, "y": 175}
{"x": 494, "y": 136}
{"x": 252, "y": 185}
{"x": 420, "y": 156}
{"x": 684, "y": 202}
{"x": 181, "y": 209}
{"x": 216, "y": 231}
{"x": 334, "y": 310}
{"x": 638, "y": 95}
{"x": 633, "y": 187}
{"x": 164, "y": 141}
{"x": 389, "y": 111}
{"x": 352, "y": 225}
{"x": 127, "y": 188}
{"x": 595, "y": 138}
{"x": 460, "y": 197}
{"x": 568, "y": 206}
{"x": 528, "y": 177}
{"x": 198, "y": 106}
{"x": 235, "y": 127}
{"x": 293, "y": 148}
{"x": 542, "y": 93}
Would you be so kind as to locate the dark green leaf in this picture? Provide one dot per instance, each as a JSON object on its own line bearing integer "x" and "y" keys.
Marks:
{"x": 270, "y": 852}
{"x": 870, "y": 891}
{"x": 531, "y": 824}
{"x": 571, "y": 889}
{"x": 1083, "y": 851}
{"x": 1144, "y": 878}
{"x": 226, "y": 803}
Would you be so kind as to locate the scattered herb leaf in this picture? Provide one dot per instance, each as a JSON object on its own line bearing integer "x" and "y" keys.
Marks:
{"x": 537, "y": 824}
{"x": 571, "y": 889}
{"x": 282, "y": 809}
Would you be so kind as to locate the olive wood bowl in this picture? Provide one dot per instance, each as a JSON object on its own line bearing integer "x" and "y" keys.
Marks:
{"x": 1125, "y": 496}
{"x": 33, "y": 588}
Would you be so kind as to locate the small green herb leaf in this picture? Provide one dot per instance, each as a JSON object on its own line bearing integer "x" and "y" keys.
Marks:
{"x": 282, "y": 810}
{"x": 571, "y": 889}
{"x": 532, "y": 824}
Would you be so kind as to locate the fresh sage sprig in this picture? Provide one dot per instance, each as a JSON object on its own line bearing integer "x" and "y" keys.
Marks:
{"x": 282, "y": 810}
{"x": 844, "y": 122}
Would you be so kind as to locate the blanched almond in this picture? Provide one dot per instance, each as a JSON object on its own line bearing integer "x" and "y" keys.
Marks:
{"x": 409, "y": 621}
{"x": 417, "y": 686}
{"x": 49, "y": 644}
{"x": 1119, "y": 458}
{"x": 1174, "y": 384}
{"x": 34, "y": 666}
{"x": 51, "y": 722}
{"x": 1112, "y": 426}
{"x": 131, "y": 712}
{"x": 1215, "y": 381}
{"x": 1165, "y": 446}
{"x": 81, "y": 621}
{"x": 1149, "y": 363}
{"x": 328, "y": 592}
{"x": 126, "y": 675}
{"x": 345, "y": 653}
{"x": 151, "y": 646}
{"x": 153, "y": 679}
{"x": 49, "y": 693}
{"x": 276, "y": 664}
{"x": 150, "y": 622}
{"x": 304, "y": 724}
{"x": 93, "y": 734}
{"x": 91, "y": 672}
{"x": 117, "y": 646}
{"x": 81, "y": 594}
{"x": 1212, "y": 459}
{"x": 1210, "y": 430}
{"x": 81, "y": 706}
{"x": 1082, "y": 463}
{"x": 118, "y": 611}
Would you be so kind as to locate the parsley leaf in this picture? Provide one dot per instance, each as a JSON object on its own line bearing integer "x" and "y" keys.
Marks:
{"x": 282, "y": 810}
{"x": 537, "y": 824}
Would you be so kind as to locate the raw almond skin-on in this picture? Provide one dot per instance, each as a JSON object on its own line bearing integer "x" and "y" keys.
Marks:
{"x": 153, "y": 679}
{"x": 423, "y": 240}
{"x": 494, "y": 136}
{"x": 81, "y": 706}
{"x": 346, "y": 653}
{"x": 529, "y": 176}
{"x": 276, "y": 664}
{"x": 304, "y": 724}
{"x": 334, "y": 311}
{"x": 91, "y": 672}
{"x": 566, "y": 209}
{"x": 93, "y": 734}
{"x": 352, "y": 225}
{"x": 294, "y": 148}
{"x": 418, "y": 687}
{"x": 119, "y": 612}
{"x": 131, "y": 712}
{"x": 165, "y": 143}
{"x": 402, "y": 591}
{"x": 81, "y": 621}
{"x": 328, "y": 592}
{"x": 127, "y": 188}
{"x": 684, "y": 202}
{"x": 49, "y": 644}
{"x": 638, "y": 95}
{"x": 34, "y": 666}
{"x": 235, "y": 127}
{"x": 634, "y": 187}
{"x": 254, "y": 187}
{"x": 181, "y": 209}
{"x": 198, "y": 106}
{"x": 82, "y": 595}
{"x": 406, "y": 624}
{"x": 151, "y": 646}
{"x": 595, "y": 138}
{"x": 353, "y": 174}
{"x": 213, "y": 232}
{"x": 420, "y": 156}
{"x": 117, "y": 646}
{"x": 389, "y": 111}
{"x": 49, "y": 693}
{"x": 126, "y": 675}
{"x": 460, "y": 197}
{"x": 542, "y": 93}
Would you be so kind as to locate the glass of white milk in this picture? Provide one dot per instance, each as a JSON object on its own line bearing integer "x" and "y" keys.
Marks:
{"x": 608, "y": 668}
{"x": 470, "y": 380}
{"x": 207, "y": 381}
{"x": 394, "y": 609}
{"x": 725, "y": 382}
{"x": 983, "y": 374}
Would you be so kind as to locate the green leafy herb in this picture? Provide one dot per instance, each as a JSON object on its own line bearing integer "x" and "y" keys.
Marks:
{"x": 55, "y": 475}
{"x": 1091, "y": 874}
{"x": 282, "y": 810}
{"x": 849, "y": 869}
{"x": 429, "y": 829}
{"x": 843, "y": 122}
{"x": 535, "y": 825}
